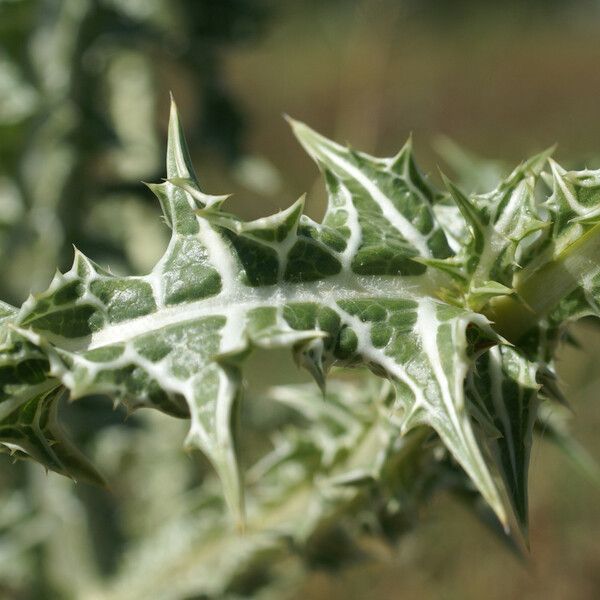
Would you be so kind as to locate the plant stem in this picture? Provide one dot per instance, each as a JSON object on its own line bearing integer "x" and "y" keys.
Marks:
{"x": 542, "y": 289}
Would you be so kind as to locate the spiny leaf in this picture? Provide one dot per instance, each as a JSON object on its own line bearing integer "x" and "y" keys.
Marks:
{"x": 174, "y": 339}
{"x": 388, "y": 280}
{"x": 503, "y": 385}
{"x": 497, "y": 223}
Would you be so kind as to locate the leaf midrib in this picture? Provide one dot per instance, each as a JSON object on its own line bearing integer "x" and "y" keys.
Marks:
{"x": 326, "y": 291}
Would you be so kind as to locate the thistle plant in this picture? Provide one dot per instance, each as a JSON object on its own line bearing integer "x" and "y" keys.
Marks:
{"x": 457, "y": 301}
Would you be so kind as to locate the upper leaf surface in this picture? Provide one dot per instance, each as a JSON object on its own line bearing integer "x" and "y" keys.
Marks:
{"x": 359, "y": 288}
{"x": 382, "y": 207}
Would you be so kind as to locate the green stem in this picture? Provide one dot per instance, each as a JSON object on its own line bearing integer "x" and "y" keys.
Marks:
{"x": 542, "y": 289}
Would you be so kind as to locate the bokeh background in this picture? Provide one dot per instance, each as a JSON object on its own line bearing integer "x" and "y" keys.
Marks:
{"x": 84, "y": 95}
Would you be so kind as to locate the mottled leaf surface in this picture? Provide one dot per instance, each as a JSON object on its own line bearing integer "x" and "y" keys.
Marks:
{"x": 398, "y": 277}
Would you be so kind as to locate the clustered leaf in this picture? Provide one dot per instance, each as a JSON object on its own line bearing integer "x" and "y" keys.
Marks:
{"x": 316, "y": 489}
{"x": 439, "y": 292}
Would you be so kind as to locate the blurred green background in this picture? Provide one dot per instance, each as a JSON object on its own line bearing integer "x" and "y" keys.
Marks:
{"x": 84, "y": 99}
